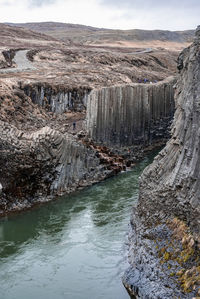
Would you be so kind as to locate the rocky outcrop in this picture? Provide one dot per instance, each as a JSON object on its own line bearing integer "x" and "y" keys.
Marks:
{"x": 9, "y": 55}
{"x": 164, "y": 250}
{"x": 6, "y": 58}
{"x": 137, "y": 114}
{"x": 38, "y": 165}
{"x": 57, "y": 99}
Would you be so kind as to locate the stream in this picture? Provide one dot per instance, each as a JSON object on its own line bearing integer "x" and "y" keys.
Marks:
{"x": 73, "y": 247}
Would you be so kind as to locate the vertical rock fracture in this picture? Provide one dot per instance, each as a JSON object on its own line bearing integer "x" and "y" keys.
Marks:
{"x": 164, "y": 250}
{"x": 136, "y": 114}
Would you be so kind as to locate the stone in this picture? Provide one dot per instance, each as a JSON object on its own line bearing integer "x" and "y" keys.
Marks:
{"x": 41, "y": 165}
{"x": 169, "y": 204}
{"x": 137, "y": 114}
{"x": 57, "y": 98}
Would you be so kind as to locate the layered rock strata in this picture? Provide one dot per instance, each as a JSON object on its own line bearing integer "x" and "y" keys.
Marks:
{"x": 137, "y": 114}
{"x": 164, "y": 250}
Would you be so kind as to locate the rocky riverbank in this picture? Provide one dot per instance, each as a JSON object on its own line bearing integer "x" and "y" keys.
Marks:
{"x": 164, "y": 251}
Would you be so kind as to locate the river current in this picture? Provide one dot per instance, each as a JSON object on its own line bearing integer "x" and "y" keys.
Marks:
{"x": 71, "y": 248}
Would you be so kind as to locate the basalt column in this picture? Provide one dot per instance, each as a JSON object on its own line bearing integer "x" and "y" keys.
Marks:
{"x": 131, "y": 114}
{"x": 57, "y": 99}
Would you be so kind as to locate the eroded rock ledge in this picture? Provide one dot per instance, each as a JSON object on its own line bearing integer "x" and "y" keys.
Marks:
{"x": 164, "y": 252}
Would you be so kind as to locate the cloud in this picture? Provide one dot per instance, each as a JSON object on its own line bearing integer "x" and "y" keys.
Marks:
{"x": 157, "y": 14}
{"x": 7, "y": 2}
{"x": 27, "y": 3}
{"x": 116, "y": 14}
{"x": 152, "y": 4}
{"x": 40, "y": 3}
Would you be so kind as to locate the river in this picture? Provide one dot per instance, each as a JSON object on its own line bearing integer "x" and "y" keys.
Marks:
{"x": 71, "y": 248}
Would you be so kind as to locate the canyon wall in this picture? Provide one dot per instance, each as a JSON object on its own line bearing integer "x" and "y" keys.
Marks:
{"x": 57, "y": 99}
{"x": 164, "y": 239}
{"x": 136, "y": 114}
{"x": 37, "y": 165}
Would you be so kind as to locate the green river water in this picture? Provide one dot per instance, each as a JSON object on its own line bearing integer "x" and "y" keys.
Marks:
{"x": 72, "y": 248}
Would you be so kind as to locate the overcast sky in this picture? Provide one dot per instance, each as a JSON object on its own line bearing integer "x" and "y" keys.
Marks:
{"x": 121, "y": 14}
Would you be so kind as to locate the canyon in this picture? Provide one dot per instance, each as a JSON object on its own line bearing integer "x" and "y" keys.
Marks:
{"x": 51, "y": 143}
{"x": 73, "y": 113}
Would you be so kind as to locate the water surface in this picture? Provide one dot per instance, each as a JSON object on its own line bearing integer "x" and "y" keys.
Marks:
{"x": 71, "y": 248}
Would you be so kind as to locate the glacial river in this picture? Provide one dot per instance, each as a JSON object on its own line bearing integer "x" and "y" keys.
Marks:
{"x": 72, "y": 248}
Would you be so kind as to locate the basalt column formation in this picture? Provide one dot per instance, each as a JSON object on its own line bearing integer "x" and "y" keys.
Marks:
{"x": 57, "y": 99}
{"x": 164, "y": 250}
{"x": 36, "y": 166}
{"x": 137, "y": 114}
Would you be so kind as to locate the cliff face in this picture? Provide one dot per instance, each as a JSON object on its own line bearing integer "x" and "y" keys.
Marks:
{"x": 57, "y": 99}
{"x": 36, "y": 166}
{"x": 165, "y": 226}
{"x": 6, "y": 57}
{"x": 137, "y": 114}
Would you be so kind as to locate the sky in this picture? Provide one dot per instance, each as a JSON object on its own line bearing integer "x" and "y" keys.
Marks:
{"x": 114, "y": 14}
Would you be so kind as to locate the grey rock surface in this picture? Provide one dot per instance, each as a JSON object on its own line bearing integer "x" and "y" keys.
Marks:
{"x": 57, "y": 99}
{"x": 165, "y": 226}
{"x": 36, "y": 166}
{"x": 126, "y": 115}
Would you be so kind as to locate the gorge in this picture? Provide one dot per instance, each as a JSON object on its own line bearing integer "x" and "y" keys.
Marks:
{"x": 48, "y": 161}
{"x": 80, "y": 114}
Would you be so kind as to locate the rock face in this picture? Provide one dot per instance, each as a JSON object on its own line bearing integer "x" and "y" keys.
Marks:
{"x": 137, "y": 114}
{"x": 36, "y": 166}
{"x": 40, "y": 156}
{"x": 42, "y": 112}
{"x": 57, "y": 99}
{"x": 6, "y": 58}
{"x": 164, "y": 250}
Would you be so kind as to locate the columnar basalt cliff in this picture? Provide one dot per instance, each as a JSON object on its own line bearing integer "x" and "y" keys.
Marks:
{"x": 42, "y": 156}
{"x": 137, "y": 114}
{"x": 35, "y": 166}
{"x": 57, "y": 99}
{"x": 164, "y": 250}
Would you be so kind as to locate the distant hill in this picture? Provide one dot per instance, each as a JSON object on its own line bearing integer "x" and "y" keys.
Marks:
{"x": 92, "y": 35}
{"x": 11, "y": 37}
{"x": 54, "y": 26}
